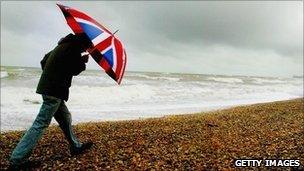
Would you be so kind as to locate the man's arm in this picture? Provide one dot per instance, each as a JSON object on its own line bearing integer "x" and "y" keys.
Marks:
{"x": 43, "y": 61}
{"x": 78, "y": 64}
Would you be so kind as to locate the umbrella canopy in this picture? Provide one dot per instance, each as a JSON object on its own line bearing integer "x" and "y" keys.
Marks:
{"x": 107, "y": 50}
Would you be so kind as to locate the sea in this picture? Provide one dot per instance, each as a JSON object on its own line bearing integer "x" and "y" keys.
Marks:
{"x": 96, "y": 97}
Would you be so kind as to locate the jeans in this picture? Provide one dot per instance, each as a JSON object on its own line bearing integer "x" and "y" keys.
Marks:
{"x": 51, "y": 106}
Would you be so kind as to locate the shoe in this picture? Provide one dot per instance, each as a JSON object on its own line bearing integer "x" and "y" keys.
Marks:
{"x": 82, "y": 149}
{"x": 26, "y": 165}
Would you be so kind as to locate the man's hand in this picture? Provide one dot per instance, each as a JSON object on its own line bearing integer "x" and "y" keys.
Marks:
{"x": 85, "y": 58}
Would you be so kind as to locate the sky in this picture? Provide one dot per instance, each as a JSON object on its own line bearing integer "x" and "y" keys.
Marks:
{"x": 223, "y": 37}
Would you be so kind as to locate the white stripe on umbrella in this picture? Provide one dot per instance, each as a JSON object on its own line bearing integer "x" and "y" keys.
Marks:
{"x": 87, "y": 22}
{"x": 103, "y": 36}
{"x": 114, "y": 55}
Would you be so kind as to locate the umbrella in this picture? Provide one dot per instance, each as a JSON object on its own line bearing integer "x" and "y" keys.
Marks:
{"x": 107, "y": 50}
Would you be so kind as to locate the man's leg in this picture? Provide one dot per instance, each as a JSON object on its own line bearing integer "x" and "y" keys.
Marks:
{"x": 27, "y": 143}
{"x": 63, "y": 117}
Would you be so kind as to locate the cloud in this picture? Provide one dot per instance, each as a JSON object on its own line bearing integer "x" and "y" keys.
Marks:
{"x": 200, "y": 37}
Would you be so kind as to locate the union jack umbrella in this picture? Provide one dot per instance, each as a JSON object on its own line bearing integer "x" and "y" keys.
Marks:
{"x": 107, "y": 51}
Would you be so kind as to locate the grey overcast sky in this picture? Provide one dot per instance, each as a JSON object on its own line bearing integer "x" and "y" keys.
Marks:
{"x": 222, "y": 37}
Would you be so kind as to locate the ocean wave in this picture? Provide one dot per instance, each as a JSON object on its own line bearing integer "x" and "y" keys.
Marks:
{"x": 268, "y": 81}
{"x": 169, "y": 78}
{"x": 90, "y": 100}
{"x": 225, "y": 80}
{"x": 94, "y": 95}
{"x": 92, "y": 80}
{"x": 20, "y": 69}
{"x": 111, "y": 94}
{"x": 156, "y": 77}
{"x": 4, "y": 74}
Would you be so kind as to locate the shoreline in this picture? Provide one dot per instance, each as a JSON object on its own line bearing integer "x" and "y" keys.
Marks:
{"x": 76, "y": 119}
{"x": 200, "y": 141}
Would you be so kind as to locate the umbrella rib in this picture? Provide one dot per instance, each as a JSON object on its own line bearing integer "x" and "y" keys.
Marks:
{"x": 115, "y": 32}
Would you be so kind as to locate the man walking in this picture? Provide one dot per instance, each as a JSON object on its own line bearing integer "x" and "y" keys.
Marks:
{"x": 59, "y": 66}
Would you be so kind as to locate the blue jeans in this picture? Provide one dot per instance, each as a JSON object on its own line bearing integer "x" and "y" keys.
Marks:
{"x": 51, "y": 106}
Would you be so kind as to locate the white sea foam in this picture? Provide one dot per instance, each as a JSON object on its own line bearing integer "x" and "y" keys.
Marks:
{"x": 157, "y": 77}
{"x": 94, "y": 96}
{"x": 4, "y": 74}
{"x": 267, "y": 81}
{"x": 20, "y": 69}
{"x": 225, "y": 79}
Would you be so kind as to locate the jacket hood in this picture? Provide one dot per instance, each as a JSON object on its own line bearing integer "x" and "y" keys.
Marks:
{"x": 70, "y": 38}
{"x": 81, "y": 40}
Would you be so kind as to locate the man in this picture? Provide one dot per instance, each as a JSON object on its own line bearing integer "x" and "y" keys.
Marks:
{"x": 59, "y": 66}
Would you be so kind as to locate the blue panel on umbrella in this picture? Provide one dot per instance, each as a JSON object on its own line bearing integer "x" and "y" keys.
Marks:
{"x": 109, "y": 56}
{"x": 90, "y": 30}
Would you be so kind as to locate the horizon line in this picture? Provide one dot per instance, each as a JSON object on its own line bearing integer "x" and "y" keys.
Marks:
{"x": 230, "y": 75}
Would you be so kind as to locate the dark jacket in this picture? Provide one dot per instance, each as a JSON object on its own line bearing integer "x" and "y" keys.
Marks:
{"x": 59, "y": 66}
